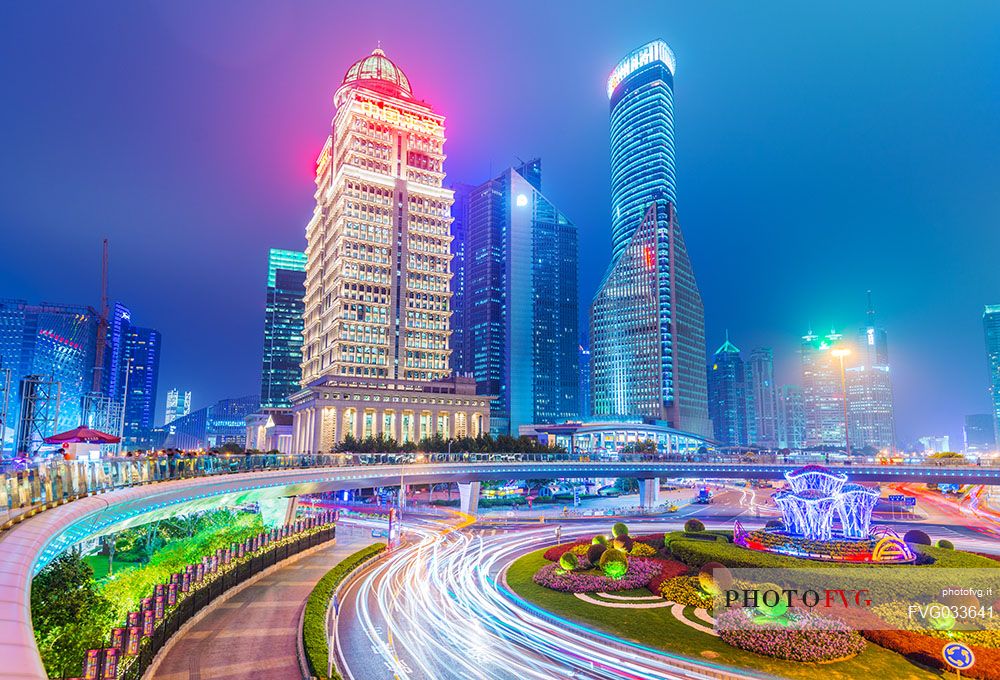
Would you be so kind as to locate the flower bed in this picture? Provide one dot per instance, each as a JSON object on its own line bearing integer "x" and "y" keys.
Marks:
{"x": 668, "y": 569}
{"x": 555, "y": 552}
{"x": 640, "y": 572}
{"x": 805, "y": 637}
{"x": 684, "y": 590}
{"x": 926, "y": 650}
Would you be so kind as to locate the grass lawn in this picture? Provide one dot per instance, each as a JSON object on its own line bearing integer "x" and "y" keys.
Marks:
{"x": 99, "y": 563}
{"x": 658, "y": 628}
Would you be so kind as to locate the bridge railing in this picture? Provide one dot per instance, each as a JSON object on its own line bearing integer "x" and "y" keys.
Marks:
{"x": 27, "y": 488}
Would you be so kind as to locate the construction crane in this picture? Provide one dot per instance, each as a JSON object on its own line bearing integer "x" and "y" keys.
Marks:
{"x": 102, "y": 326}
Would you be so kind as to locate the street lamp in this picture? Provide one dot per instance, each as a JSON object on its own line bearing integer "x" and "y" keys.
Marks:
{"x": 840, "y": 353}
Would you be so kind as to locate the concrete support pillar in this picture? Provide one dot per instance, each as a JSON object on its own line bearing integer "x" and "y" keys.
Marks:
{"x": 292, "y": 509}
{"x": 317, "y": 433}
{"x": 649, "y": 492}
{"x": 468, "y": 495}
{"x": 403, "y": 490}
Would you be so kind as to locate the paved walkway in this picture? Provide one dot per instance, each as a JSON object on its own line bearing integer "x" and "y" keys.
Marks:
{"x": 252, "y": 635}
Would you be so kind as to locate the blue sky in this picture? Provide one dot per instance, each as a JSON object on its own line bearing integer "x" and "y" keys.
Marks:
{"x": 822, "y": 149}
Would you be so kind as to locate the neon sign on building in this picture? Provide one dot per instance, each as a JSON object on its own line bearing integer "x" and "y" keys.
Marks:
{"x": 633, "y": 61}
{"x": 399, "y": 118}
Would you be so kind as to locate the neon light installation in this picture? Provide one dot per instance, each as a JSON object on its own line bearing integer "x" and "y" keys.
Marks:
{"x": 815, "y": 499}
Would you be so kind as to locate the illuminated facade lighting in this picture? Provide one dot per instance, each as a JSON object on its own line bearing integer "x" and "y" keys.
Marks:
{"x": 647, "y": 327}
{"x": 377, "y": 301}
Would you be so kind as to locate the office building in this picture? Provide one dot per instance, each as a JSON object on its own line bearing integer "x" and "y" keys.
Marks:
{"x": 224, "y": 422}
{"x": 281, "y": 374}
{"x": 822, "y": 390}
{"x": 50, "y": 351}
{"x": 584, "y": 360}
{"x": 978, "y": 434}
{"x": 940, "y": 443}
{"x": 762, "y": 398}
{"x": 791, "y": 418}
{"x": 178, "y": 405}
{"x": 517, "y": 299}
{"x": 727, "y": 396}
{"x": 647, "y": 326}
{"x": 140, "y": 373}
{"x": 377, "y": 305}
{"x": 869, "y": 390}
{"x": 991, "y": 329}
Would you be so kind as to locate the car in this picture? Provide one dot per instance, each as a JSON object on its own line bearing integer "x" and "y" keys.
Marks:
{"x": 673, "y": 508}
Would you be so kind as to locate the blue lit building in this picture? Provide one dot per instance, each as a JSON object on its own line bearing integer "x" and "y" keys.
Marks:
{"x": 281, "y": 374}
{"x": 991, "y": 328}
{"x": 514, "y": 287}
{"x": 48, "y": 343}
{"x": 140, "y": 371}
{"x": 224, "y": 422}
{"x": 727, "y": 396}
{"x": 647, "y": 326}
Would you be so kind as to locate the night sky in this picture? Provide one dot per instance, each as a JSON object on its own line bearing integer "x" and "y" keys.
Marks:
{"x": 821, "y": 150}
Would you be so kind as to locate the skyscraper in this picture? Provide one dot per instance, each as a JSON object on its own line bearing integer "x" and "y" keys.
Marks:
{"x": 763, "y": 398}
{"x": 727, "y": 396}
{"x": 281, "y": 374}
{"x": 141, "y": 368}
{"x": 376, "y": 327}
{"x": 518, "y": 303}
{"x": 178, "y": 405}
{"x": 822, "y": 390}
{"x": 978, "y": 433}
{"x": 791, "y": 418}
{"x": 869, "y": 389}
{"x": 647, "y": 326}
{"x": 991, "y": 328}
{"x": 584, "y": 410}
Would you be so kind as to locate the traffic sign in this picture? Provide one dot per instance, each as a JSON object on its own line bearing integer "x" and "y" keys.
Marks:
{"x": 910, "y": 501}
{"x": 896, "y": 498}
{"x": 958, "y": 656}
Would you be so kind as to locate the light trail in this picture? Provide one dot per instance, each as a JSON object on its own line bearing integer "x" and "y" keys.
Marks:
{"x": 435, "y": 610}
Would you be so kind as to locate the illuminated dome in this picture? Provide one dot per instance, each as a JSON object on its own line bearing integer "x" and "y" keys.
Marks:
{"x": 377, "y": 72}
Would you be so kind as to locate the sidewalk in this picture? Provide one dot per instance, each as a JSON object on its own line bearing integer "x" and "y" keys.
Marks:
{"x": 253, "y": 635}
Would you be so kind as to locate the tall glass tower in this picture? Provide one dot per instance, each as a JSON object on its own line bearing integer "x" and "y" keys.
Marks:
{"x": 281, "y": 373}
{"x": 647, "y": 321}
{"x": 515, "y": 319}
{"x": 991, "y": 327}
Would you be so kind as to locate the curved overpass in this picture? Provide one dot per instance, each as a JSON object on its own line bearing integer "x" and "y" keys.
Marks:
{"x": 31, "y": 544}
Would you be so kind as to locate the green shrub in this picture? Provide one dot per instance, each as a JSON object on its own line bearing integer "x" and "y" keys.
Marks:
{"x": 694, "y": 526}
{"x": 314, "y": 623}
{"x": 614, "y": 563}
{"x": 623, "y": 543}
{"x": 642, "y": 550}
{"x": 594, "y": 553}
{"x": 619, "y": 529}
{"x": 946, "y": 544}
{"x": 568, "y": 561}
{"x": 599, "y": 539}
{"x": 917, "y": 537}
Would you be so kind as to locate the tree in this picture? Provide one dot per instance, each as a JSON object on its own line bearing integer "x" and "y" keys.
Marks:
{"x": 68, "y": 613}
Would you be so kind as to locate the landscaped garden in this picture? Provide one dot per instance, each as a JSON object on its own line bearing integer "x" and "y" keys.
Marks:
{"x": 657, "y": 590}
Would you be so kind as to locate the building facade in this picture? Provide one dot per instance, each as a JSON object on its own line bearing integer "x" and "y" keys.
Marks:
{"x": 50, "y": 351}
{"x": 140, "y": 373}
{"x": 762, "y": 398}
{"x": 178, "y": 405}
{"x": 224, "y": 422}
{"x": 978, "y": 434}
{"x": 791, "y": 418}
{"x": 281, "y": 373}
{"x": 647, "y": 327}
{"x": 727, "y": 396}
{"x": 991, "y": 329}
{"x": 515, "y": 291}
{"x": 584, "y": 409}
{"x": 377, "y": 303}
{"x": 869, "y": 390}
{"x": 822, "y": 390}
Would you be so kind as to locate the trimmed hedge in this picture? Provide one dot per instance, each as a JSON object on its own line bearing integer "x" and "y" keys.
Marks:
{"x": 314, "y": 623}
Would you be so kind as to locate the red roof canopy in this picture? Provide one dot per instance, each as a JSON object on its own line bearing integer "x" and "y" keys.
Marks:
{"x": 82, "y": 435}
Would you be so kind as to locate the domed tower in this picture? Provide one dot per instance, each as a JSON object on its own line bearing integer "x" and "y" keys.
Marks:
{"x": 377, "y": 302}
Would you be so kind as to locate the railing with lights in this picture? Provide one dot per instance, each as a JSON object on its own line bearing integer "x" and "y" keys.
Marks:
{"x": 29, "y": 487}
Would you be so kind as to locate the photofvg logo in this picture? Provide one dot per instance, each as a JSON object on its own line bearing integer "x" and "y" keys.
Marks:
{"x": 919, "y": 597}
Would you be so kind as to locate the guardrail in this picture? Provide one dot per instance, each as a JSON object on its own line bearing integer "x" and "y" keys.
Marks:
{"x": 30, "y": 487}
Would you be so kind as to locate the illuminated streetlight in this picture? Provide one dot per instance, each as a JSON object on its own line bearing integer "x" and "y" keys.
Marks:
{"x": 840, "y": 353}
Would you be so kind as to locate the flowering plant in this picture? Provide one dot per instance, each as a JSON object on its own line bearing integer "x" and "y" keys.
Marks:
{"x": 803, "y": 636}
{"x": 640, "y": 571}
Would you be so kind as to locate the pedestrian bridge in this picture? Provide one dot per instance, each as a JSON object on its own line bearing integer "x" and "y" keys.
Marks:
{"x": 51, "y": 507}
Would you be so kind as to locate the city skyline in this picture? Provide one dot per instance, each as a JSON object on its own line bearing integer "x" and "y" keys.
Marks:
{"x": 943, "y": 328}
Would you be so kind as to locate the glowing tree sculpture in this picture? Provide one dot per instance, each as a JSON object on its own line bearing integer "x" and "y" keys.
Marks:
{"x": 854, "y": 505}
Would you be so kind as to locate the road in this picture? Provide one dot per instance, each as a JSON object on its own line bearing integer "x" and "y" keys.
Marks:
{"x": 254, "y": 634}
{"x": 434, "y": 611}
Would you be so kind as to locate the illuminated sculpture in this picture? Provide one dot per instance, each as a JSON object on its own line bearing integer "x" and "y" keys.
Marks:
{"x": 815, "y": 499}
